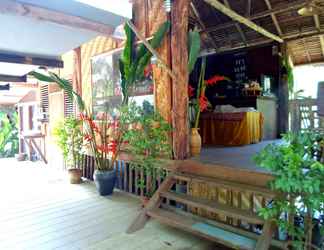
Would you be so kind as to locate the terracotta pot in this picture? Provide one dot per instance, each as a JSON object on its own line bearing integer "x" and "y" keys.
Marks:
{"x": 75, "y": 175}
{"x": 195, "y": 142}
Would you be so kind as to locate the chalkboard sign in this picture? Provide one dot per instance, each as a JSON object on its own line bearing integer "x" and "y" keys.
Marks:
{"x": 240, "y": 72}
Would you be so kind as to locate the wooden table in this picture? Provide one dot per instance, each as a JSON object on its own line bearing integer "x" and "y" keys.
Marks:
{"x": 231, "y": 129}
{"x": 30, "y": 141}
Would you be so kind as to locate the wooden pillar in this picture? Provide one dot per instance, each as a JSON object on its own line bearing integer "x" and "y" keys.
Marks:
{"x": 283, "y": 98}
{"x": 179, "y": 57}
{"x": 77, "y": 72}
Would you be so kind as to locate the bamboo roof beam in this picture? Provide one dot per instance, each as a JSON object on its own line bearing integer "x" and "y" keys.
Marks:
{"x": 47, "y": 15}
{"x": 276, "y": 10}
{"x": 274, "y": 18}
{"x": 306, "y": 50}
{"x": 201, "y": 23}
{"x": 248, "y": 8}
{"x": 232, "y": 14}
{"x": 237, "y": 25}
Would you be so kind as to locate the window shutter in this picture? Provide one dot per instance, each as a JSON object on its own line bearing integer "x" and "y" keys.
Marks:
{"x": 44, "y": 101}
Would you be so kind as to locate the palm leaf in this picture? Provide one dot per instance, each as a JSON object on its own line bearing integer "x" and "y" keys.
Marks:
{"x": 193, "y": 48}
{"x": 63, "y": 84}
{"x": 127, "y": 54}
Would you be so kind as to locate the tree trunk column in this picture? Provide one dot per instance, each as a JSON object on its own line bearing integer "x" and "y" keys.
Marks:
{"x": 179, "y": 57}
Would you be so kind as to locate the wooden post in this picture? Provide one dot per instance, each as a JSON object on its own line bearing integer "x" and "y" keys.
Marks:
{"x": 77, "y": 72}
{"x": 179, "y": 52}
{"x": 283, "y": 98}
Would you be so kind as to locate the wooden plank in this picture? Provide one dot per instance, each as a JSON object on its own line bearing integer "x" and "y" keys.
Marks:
{"x": 46, "y": 15}
{"x": 236, "y": 230}
{"x": 232, "y": 14}
{"x": 207, "y": 231}
{"x": 226, "y": 184}
{"x": 154, "y": 202}
{"x": 180, "y": 100}
{"x": 214, "y": 207}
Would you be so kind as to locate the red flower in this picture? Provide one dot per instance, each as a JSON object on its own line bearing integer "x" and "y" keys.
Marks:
{"x": 148, "y": 70}
{"x": 87, "y": 138}
{"x": 203, "y": 103}
{"x": 190, "y": 91}
{"x": 215, "y": 79}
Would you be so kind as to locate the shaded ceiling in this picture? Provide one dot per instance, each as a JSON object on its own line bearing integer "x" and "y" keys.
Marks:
{"x": 304, "y": 34}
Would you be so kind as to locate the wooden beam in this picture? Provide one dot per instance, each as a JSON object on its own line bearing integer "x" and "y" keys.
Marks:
{"x": 232, "y": 14}
{"x": 237, "y": 25}
{"x": 279, "y": 9}
{"x": 7, "y": 78}
{"x": 248, "y": 8}
{"x": 201, "y": 23}
{"x": 12, "y": 58}
{"x": 274, "y": 18}
{"x": 179, "y": 57}
{"x": 46, "y": 15}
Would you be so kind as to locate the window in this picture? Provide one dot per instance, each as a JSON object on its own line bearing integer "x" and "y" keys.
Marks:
{"x": 106, "y": 89}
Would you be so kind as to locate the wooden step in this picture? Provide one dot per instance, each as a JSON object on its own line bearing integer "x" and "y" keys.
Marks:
{"x": 215, "y": 207}
{"x": 262, "y": 191}
{"x": 202, "y": 229}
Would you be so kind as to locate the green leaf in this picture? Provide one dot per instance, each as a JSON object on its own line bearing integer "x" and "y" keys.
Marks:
{"x": 193, "y": 48}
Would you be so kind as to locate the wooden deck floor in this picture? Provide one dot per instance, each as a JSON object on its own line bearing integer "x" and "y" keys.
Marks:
{"x": 235, "y": 157}
{"x": 39, "y": 210}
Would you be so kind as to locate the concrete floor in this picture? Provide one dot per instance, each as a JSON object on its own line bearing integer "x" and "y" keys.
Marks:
{"x": 39, "y": 210}
{"x": 236, "y": 157}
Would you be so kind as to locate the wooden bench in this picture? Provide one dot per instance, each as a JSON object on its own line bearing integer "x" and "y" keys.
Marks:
{"x": 162, "y": 208}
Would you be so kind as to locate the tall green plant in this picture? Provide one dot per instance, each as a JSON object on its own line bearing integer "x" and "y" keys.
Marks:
{"x": 8, "y": 135}
{"x": 69, "y": 138}
{"x": 133, "y": 61}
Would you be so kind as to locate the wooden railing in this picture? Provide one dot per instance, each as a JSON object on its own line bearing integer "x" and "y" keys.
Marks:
{"x": 303, "y": 114}
{"x": 129, "y": 179}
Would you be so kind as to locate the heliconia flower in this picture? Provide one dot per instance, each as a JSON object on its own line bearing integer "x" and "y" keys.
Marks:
{"x": 203, "y": 103}
{"x": 87, "y": 138}
{"x": 190, "y": 91}
{"x": 215, "y": 79}
{"x": 148, "y": 70}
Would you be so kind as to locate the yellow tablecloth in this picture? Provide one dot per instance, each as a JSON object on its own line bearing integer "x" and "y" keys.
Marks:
{"x": 231, "y": 129}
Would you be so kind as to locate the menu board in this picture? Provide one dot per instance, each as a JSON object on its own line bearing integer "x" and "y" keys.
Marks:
{"x": 240, "y": 72}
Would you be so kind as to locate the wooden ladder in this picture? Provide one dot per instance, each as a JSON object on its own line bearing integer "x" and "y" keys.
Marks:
{"x": 225, "y": 234}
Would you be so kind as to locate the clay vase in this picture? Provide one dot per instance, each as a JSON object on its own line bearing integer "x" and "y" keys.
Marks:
{"x": 195, "y": 142}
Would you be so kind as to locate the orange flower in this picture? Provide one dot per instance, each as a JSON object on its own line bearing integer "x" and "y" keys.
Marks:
{"x": 203, "y": 102}
{"x": 215, "y": 79}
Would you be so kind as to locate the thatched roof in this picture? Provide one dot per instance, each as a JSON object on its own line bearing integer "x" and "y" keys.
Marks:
{"x": 304, "y": 34}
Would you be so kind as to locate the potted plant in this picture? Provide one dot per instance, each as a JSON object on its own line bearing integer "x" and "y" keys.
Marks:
{"x": 200, "y": 103}
{"x": 69, "y": 138}
{"x": 105, "y": 148}
{"x": 299, "y": 175}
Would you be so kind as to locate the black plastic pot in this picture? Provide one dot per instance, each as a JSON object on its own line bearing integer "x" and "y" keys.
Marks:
{"x": 105, "y": 181}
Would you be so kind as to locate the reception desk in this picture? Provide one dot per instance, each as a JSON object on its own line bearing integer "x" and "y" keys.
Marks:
{"x": 231, "y": 129}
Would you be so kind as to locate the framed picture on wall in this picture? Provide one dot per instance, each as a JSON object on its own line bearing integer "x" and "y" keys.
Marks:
{"x": 106, "y": 89}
